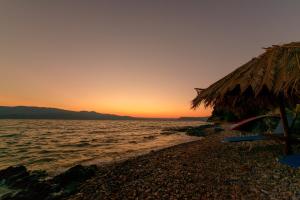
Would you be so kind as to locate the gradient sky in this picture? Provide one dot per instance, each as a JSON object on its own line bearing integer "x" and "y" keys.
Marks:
{"x": 139, "y": 58}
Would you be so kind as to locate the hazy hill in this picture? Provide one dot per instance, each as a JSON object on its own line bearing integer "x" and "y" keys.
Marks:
{"x": 25, "y": 112}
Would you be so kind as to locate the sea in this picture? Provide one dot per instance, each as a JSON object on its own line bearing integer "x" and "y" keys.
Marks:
{"x": 56, "y": 145}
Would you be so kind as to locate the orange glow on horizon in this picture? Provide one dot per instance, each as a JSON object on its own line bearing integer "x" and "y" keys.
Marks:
{"x": 133, "y": 101}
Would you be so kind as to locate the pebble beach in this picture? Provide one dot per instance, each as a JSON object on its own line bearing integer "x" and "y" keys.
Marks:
{"x": 204, "y": 169}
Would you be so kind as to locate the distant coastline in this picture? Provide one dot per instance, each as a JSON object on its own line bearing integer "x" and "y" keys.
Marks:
{"x": 32, "y": 112}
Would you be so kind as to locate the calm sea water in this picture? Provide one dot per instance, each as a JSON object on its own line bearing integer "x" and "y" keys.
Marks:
{"x": 55, "y": 145}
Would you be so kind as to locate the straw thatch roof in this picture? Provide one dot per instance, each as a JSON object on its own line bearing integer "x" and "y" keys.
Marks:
{"x": 275, "y": 73}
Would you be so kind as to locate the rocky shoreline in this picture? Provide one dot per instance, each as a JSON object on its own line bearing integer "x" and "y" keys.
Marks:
{"x": 21, "y": 184}
{"x": 204, "y": 169}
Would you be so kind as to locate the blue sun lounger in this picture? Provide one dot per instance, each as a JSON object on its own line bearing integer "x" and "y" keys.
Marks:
{"x": 247, "y": 138}
{"x": 291, "y": 160}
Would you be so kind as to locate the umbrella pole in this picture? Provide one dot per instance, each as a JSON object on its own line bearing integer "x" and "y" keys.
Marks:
{"x": 287, "y": 148}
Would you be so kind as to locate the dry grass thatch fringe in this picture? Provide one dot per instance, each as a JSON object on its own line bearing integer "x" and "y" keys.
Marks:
{"x": 273, "y": 74}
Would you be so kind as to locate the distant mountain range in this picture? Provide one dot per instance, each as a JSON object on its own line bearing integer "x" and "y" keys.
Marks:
{"x": 28, "y": 112}
{"x": 25, "y": 112}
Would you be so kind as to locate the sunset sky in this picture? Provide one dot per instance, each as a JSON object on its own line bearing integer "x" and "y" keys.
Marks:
{"x": 138, "y": 58}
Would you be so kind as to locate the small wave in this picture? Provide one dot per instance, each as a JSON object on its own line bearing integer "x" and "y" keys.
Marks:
{"x": 44, "y": 151}
{"x": 98, "y": 145}
{"x": 110, "y": 140}
{"x": 11, "y": 135}
{"x": 11, "y": 142}
{"x": 24, "y": 157}
{"x": 21, "y": 150}
{"x": 43, "y": 160}
{"x": 151, "y": 137}
{"x": 167, "y": 132}
{"x": 66, "y": 132}
{"x": 95, "y": 132}
{"x": 148, "y": 126}
{"x": 82, "y": 144}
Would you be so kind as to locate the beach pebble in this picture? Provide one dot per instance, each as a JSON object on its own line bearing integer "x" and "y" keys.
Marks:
{"x": 205, "y": 169}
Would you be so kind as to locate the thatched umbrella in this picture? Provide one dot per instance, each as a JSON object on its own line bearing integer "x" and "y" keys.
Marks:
{"x": 269, "y": 80}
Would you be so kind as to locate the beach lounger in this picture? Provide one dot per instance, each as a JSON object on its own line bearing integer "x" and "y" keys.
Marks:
{"x": 257, "y": 137}
{"x": 247, "y": 138}
{"x": 291, "y": 160}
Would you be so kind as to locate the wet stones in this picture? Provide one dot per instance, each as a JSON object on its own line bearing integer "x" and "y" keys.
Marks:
{"x": 70, "y": 180}
{"x": 29, "y": 185}
{"x": 24, "y": 184}
{"x": 200, "y": 131}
